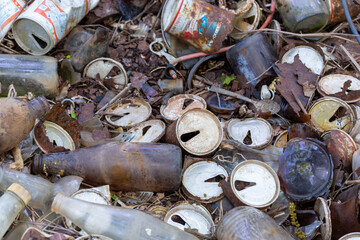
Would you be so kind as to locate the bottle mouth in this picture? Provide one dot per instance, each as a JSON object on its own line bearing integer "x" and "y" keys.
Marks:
{"x": 36, "y": 168}
{"x": 55, "y": 206}
{"x": 21, "y": 192}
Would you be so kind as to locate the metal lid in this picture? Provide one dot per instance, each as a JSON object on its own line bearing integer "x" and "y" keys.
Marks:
{"x": 351, "y": 236}
{"x": 262, "y": 184}
{"x": 253, "y": 132}
{"x": 179, "y": 104}
{"x": 191, "y": 216}
{"x": 196, "y": 185}
{"x": 334, "y": 84}
{"x": 305, "y": 169}
{"x": 94, "y": 237}
{"x": 57, "y": 135}
{"x": 149, "y": 131}
{"x": 103, "y": 67}
{"x": 311, "y": 58}
{"x": 322, "y": 209}
{"x": 87, "y": 195}
{"x": 332, "y": 113}
{"x": 199, "y": 132}
{"x": 129, "y": 112}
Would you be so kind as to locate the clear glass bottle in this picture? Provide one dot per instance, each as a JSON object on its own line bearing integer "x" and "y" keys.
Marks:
{"x": 248, "y": 223}
{"x": 11, "y": 203}
{"x": 116, "y": 222}
{"x": 41, "y": 190}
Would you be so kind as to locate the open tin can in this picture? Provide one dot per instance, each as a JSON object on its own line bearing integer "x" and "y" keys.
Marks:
{"x": 9, "y": 10}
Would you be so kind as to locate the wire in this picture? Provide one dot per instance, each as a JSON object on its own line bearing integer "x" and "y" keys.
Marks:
{"x": 196, "y": 55}
{"x": 348, "y": 18}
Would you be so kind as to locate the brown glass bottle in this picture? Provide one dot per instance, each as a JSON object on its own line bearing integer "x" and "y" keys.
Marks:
{"x": 154, "y": 167}
{"x": 17, "y": 118}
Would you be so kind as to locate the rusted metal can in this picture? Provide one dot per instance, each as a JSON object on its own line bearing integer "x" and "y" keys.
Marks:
{"x": 9, "y": 10}
{"x": 336, "y": 10}
{"x": 304, "y": 16}
{"x": 45, "y": 22}
{"x": 253, "y": 57}
{"x": 198, "y": 23}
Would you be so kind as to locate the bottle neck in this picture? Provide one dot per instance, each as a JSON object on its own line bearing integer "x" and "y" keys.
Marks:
{"x": 37, "y": 164}
{"x": 39, "y": 107}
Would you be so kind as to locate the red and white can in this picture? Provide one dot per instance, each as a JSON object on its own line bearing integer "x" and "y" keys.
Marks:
{"x": 45, "y": 22}
{"x": 198, "y": 23}
{"x": 9, "y": 10}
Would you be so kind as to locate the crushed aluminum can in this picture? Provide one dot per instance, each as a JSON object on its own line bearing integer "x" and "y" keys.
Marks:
{"x": 332, "y": 113}
{"x": 45, "y": 22}
{"x": 198, "y": 23}
{"x": 305, "y": 16}
{"x": 175, "y": 85}
{"x": 9, "y": 10}
{"x": 193, "y": 216}
{"x": 254, "y": 132}
{"x": 336, "y": 10}
{"x": 255, "y": 183}
{"x": 196, "y": 184}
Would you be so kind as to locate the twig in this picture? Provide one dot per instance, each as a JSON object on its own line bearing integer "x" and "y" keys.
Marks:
{"x": 349, "y": 182}
{"x": 352, "y": 59}
{"x": 298, "y": 102}
{"x": 121, "y": 94}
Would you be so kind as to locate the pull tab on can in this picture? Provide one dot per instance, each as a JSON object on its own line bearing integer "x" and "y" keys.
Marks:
{"x": 46, "y": 22}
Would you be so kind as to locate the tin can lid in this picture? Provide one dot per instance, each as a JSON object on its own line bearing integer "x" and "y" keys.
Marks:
{"x": 93, "y": 237}
{"x": 305, "y": 169}
{"x": 311, "y": 58}
{"x": 56, "y": 135}
{"x": 199, "y": 132}
{"x": 281, "y": 140}
{"x": 322, "y": 209}
{"x": 335, "y": 84}
{"x": 128, "y": 113}
{"x": 103, "y": 67}
{"x": 21, "y": 192}
{"x": 255, "y": 183}
{"x": 179, "y": 104}
{"x": 253, "y": 132}
{"x": 195, "y": 181}
{"x": 192, "y": 216}
{"x": 148, "y": 131}
{"x": 351, "y": 236}
{"x": 332, "y": 113}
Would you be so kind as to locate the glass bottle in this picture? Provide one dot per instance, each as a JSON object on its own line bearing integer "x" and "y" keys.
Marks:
{"x": 11, "y": 203}
{"x": 248, "y": 223}
{"x": 115, "y": 222}
{"x": 41, "y": 190}
{"x": 152, "y": 167}
{"x": 17, "y": 118}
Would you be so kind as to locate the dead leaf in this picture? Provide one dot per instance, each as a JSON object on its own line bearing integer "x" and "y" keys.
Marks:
{"x": 137, "y": 79}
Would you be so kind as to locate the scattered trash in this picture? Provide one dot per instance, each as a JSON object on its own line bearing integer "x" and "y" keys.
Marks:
{"x": 180, "y": 119}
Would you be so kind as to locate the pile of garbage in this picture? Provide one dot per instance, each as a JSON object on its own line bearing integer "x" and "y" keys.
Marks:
{"x": 179, "y": 119}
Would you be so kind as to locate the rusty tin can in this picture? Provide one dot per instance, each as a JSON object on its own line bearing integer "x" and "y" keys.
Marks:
{"x": 336, "y": 10}
{"x": 45, "y": 22}
{"x": 9, "y": 10}
{"x": 198, "y": 23}
{"x": 304, "y": 16}
{"x": 252, "y": 58}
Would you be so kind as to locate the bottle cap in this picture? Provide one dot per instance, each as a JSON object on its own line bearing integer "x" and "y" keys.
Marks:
{"x": 21, "y": 192}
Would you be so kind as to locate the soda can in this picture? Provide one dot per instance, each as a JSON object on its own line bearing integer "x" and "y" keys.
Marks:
{"x": 45, "y": 22}
{"x": 9, "y": 10}
{"x": 198, "y": 23}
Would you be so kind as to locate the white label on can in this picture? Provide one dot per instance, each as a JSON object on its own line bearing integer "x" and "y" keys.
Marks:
{"x": 8, "y": 12}
{"x": 55, "y": 16}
